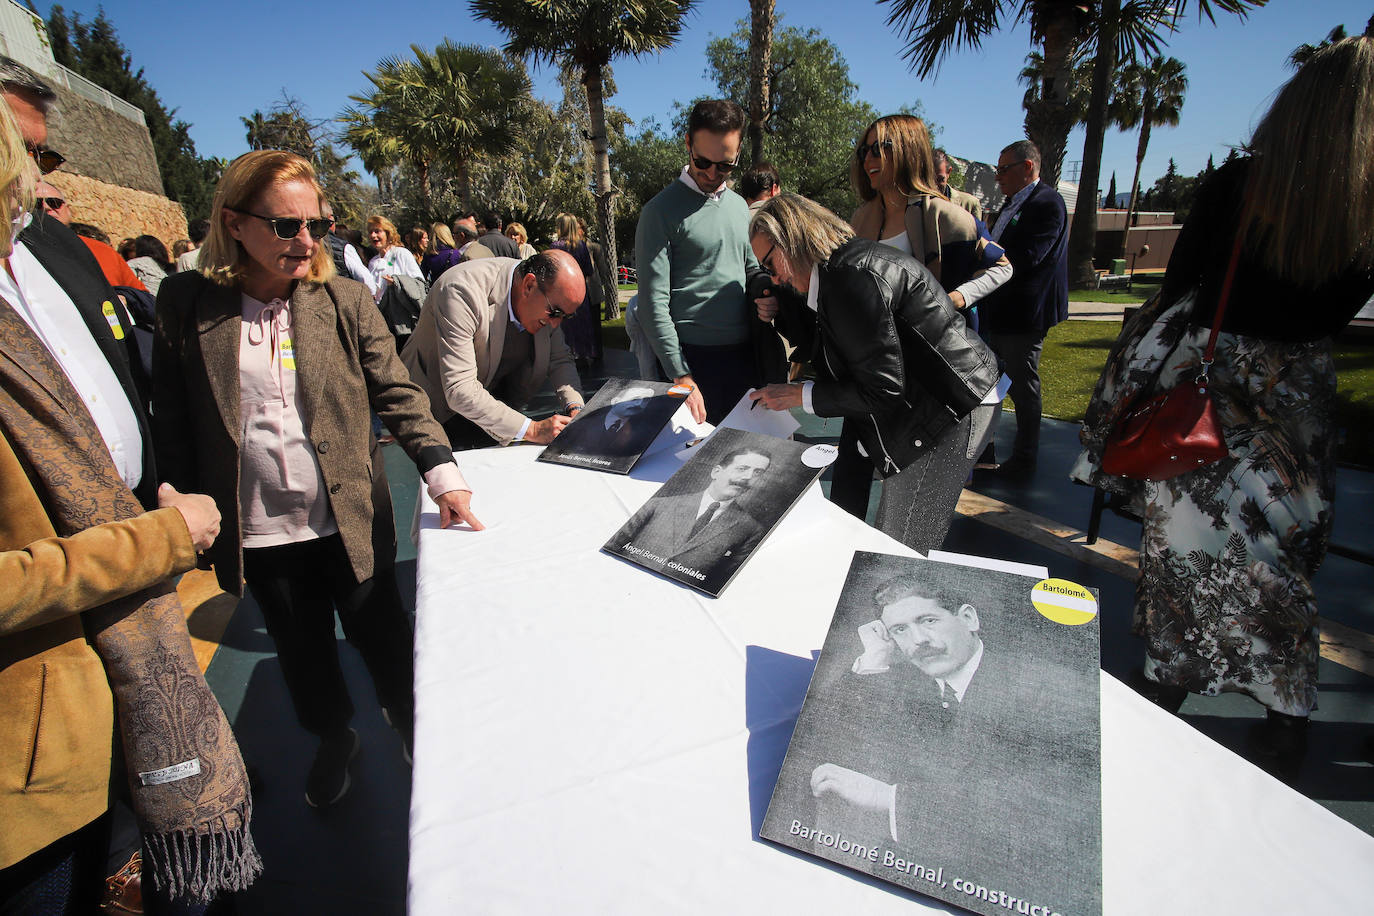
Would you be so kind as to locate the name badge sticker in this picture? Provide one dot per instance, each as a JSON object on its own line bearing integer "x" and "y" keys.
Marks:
{"x": 1064, "y": 602}
{"x": 288, "y": 354}
{"x": 173, "y": 773}
{"x": 112, "y": 319}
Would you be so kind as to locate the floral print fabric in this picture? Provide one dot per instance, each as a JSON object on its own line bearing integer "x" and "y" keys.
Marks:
{"x": 1224, "y": 600}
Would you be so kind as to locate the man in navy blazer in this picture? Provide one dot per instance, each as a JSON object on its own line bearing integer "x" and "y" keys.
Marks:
{"x": 1033, "y": 229}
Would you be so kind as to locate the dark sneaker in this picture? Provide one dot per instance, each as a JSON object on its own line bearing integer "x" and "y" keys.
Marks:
{"x": 328, "y": 780}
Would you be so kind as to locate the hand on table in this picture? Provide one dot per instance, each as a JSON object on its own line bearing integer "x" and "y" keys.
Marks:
{"x": 542, "y": 432}
{"x": 456, "y": 506}
{"x": 779, "y": 397}
{"x": 695, "y": 402}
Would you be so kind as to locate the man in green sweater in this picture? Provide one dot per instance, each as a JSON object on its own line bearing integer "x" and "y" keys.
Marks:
{"x": 692, "y": 253}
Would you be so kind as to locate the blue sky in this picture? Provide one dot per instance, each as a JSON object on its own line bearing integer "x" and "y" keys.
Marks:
{"x": 217, "y": 62}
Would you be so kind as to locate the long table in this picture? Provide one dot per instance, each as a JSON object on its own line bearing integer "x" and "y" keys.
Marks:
{"x": 593, "y": 738}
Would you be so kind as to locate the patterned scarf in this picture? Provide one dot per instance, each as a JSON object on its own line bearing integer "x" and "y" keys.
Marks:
{"x": 186, "y": 778}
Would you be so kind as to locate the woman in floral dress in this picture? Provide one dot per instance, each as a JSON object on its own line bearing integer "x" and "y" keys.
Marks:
{"x": 1225, "y": 599}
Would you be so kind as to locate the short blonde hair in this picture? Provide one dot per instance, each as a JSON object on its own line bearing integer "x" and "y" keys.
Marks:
{"x": 911, "y": 151}
{"x": 517, "y": 231}
{"x": 16, "y": 178}
{"x": 393, "y": 235}
{"x": 1308, "y": 210}
{"x": 805, "y": 232}
{"x": 222, "y": 258}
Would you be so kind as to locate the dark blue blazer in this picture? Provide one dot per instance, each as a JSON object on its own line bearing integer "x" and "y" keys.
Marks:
{"x": 1036, "y": 298}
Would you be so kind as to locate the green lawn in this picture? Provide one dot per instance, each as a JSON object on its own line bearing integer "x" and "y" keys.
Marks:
{"x": 1075, "y": 352}
{"x": 1143, "y": 287}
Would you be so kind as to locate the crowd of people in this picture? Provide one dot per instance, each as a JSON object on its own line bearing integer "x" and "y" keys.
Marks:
{"x": 226, "y": 404}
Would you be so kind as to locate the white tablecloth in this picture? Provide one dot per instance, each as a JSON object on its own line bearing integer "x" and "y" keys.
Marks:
{"x": 594, "y": 739}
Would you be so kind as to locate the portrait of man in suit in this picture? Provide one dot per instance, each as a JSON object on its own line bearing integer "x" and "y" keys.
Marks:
{"x": 950, "y": 748}
{"x": 614, "y": 430}
{"x": 705, "y": 531}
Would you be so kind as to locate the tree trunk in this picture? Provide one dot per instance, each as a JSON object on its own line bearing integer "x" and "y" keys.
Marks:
{"x": 422, "y": 172}
{"x": 1135, "y": 182}
{"x": 604, "y": 191}
{"x": 760, "y": 73}
{"x": 464, "y": 184}
{"x": 1048, "y": 120}
{"x": 1083, "y": 233}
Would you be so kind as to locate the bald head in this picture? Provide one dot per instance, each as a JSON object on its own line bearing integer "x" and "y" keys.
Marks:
{"x": 547, "y": 287}
{"x": 54, "y": 202}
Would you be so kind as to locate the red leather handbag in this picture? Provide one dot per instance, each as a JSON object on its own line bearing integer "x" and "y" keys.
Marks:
{"x": 1177, "y": 431}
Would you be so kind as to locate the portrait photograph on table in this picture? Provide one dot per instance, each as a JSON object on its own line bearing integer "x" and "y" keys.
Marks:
{"x": 617, "y": 426}
{"x": 950, "y": 741}
{"x": 708, "y": 518}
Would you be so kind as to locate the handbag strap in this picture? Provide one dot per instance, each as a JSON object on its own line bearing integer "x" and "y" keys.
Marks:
{"x": 1222, "y": 300}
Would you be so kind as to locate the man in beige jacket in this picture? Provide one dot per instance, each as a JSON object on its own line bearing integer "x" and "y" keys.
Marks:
{"x": 487, "y": 340}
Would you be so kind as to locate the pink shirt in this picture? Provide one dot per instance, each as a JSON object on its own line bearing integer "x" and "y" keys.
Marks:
{"x": 281, "y": 488}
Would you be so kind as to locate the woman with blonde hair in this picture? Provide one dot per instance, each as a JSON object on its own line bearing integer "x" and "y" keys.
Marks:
{"x": 441, "y": 254}
{"x": 517, "y": 234}
{"x": 893, "y": 173}
{"x": 1225, "y": 599}
{"x": 392, "y": 257}
{"x": 265, "y": 369}
{"x": 893, "y": 357}
{"x": 583, "y": 328}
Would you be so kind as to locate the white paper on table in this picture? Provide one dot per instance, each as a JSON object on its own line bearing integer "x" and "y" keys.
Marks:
{"x": 752, "y": 417}
{"x": 968, "y": 559}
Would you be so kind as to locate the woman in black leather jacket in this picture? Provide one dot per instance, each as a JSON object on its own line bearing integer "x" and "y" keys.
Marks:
{"x": 891, "y": 354}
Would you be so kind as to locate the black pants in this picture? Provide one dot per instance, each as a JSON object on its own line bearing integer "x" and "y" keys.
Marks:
{"x": 851, "y": 476}
{"x": 299, "y": 587}
{"x": 723, "y": 374}
{"x": 1019, "y": 355}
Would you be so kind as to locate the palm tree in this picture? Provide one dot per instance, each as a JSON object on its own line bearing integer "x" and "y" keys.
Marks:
{"x": 934, "y": 28}
{"x": 1033, "y": 75}
{"x": 588, "y": 34}
{"x": 762, "y": 19}
{"x": 1122, "y": 32}
{"x": 1150, "y": 95}
{"x": 440, "y": 109}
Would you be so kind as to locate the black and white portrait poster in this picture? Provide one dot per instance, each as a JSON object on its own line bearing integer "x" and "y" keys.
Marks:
{"x": 950, "y": 739}
{"x": 618, "y": 424}
{"x": 709, "y": 517}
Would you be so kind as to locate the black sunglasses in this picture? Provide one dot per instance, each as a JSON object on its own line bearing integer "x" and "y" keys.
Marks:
{"x": 872, "y": 149}
{"x": 52, "y": 203}
{"x": 48, "y": 159}
{"x": 764, "y": 261}
{"x": 724, "y": 168}
{"x": 288, "y": 227}
{"x": 1003, "y": 169}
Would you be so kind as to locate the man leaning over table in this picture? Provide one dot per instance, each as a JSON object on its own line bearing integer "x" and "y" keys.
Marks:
{"x": 487, "y": 340}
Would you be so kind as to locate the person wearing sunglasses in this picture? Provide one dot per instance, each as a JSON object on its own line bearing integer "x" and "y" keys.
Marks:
{"x": 692, "y": 254}
{"x": 265, "y": 368}
{"x": 893, "y": 357}
{"x": 893, "y": 173}
{"x": 489, "y": 338}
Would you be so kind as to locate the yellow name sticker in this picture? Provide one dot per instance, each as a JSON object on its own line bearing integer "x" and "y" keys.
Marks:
{"x": 112, "y": 319}
{"x": 288, "y": 354}
{"x": 1064, "y": 602}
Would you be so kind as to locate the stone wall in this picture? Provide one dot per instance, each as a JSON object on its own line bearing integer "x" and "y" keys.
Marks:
{"x": 103, "y": 144}
{"x": 121, "y": 212}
